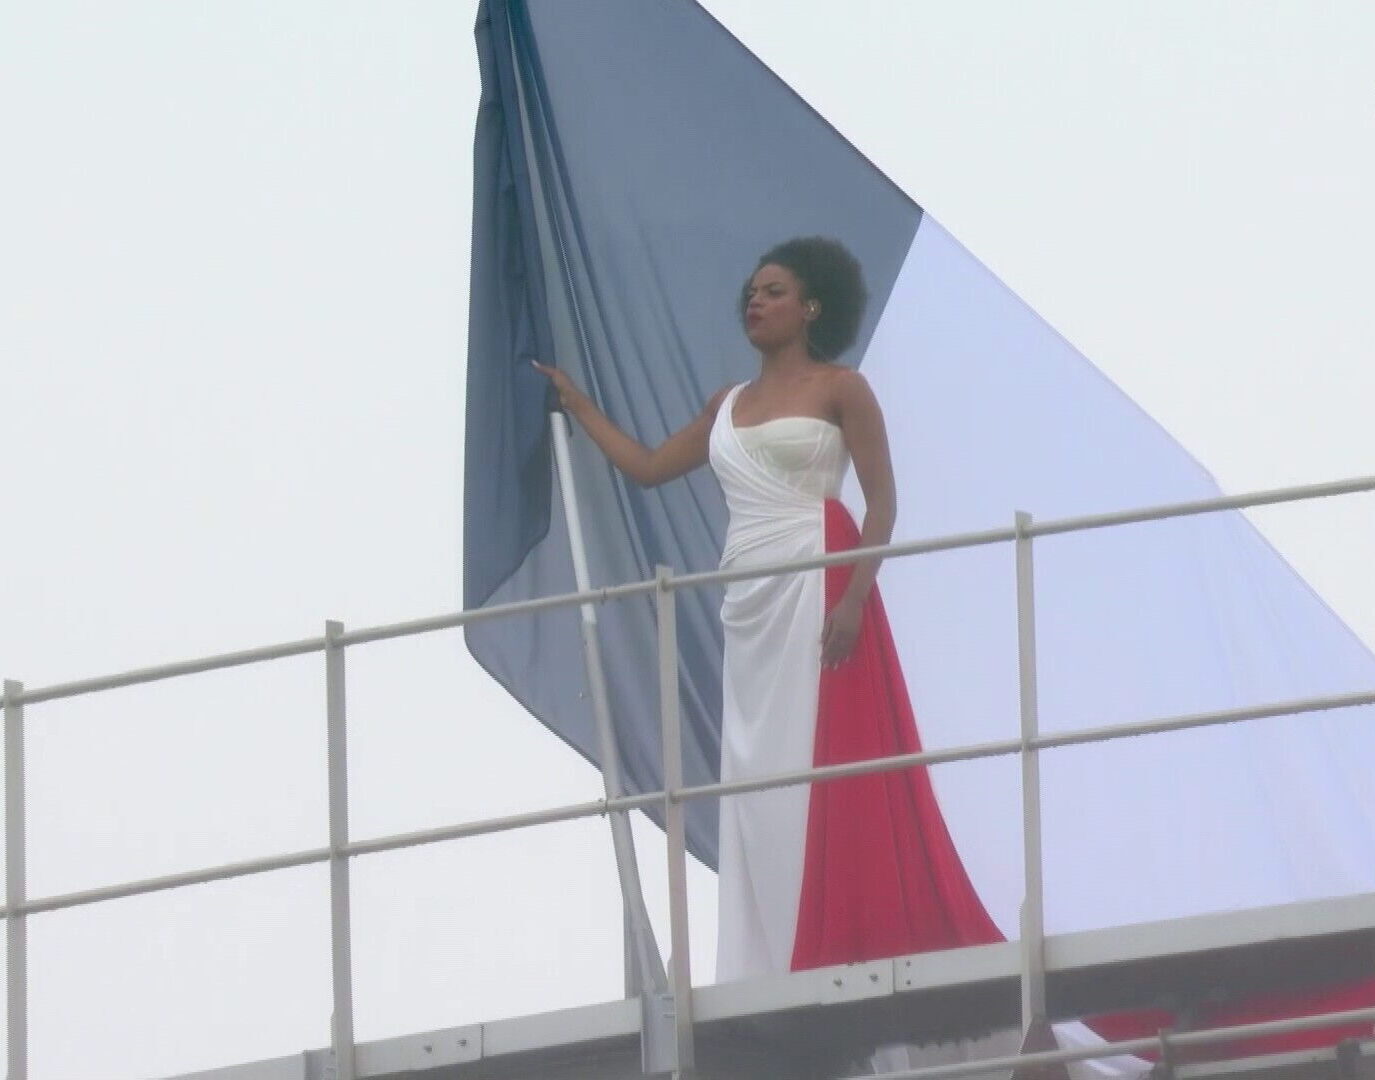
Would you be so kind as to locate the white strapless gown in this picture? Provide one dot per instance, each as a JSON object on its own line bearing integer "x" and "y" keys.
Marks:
{"x": 776, "y": 477}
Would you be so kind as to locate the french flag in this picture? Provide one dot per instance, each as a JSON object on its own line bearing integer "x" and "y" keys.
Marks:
{"x": 632, "y": 161}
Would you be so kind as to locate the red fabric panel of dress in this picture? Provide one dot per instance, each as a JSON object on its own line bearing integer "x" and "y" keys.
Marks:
{"x": 881, "y": 875}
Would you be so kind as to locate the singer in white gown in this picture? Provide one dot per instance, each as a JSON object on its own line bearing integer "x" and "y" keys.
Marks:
{"x": 845, "y": 871}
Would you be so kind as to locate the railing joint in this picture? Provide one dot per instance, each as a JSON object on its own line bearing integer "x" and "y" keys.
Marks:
{"x": 1352, "y": 1061}
{"x": 1164, "y": 1069}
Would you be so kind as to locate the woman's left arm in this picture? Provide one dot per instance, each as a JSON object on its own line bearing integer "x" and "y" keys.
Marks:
{"x": 861, "y": 425}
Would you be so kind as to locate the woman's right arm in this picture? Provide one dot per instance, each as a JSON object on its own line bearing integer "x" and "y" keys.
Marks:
{"x": 680, "y": 453}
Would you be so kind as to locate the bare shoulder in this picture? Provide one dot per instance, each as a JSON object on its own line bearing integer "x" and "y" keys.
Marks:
{"x": 713, "y": 405}
{"x": 850, "y": 392}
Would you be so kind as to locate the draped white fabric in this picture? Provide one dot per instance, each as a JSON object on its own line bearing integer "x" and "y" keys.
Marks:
{"x": 1132, "y": 623}
{"x": 775, "y": 491}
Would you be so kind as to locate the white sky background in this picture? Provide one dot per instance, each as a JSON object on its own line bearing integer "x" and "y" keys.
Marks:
{"x": 233, "y": 293}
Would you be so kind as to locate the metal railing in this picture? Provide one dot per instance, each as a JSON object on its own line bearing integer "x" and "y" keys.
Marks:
{"x": 664, "y": 586}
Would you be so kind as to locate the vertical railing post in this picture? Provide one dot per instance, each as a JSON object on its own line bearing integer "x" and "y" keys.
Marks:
{"x": 16, "y": 888}
{"x": 341, "y": 934}
{"x": 1033, "y": 906}
{"x": 674, "y": 824}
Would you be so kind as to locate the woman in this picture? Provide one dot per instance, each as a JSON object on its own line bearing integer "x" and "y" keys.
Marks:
{"x": 847, "y": 870}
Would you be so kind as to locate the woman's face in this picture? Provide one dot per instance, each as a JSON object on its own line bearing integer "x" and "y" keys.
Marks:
{"x": 776, "y": 312}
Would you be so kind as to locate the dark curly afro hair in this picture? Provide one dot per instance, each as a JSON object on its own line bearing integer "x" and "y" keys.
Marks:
{"x": 831, "y": 276}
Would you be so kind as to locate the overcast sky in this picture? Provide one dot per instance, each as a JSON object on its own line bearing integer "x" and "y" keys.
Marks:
{"x": 233, "y": 292}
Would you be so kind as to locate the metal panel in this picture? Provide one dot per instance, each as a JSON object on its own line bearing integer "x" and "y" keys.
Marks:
{"x": 416, "y": 1053}
{"x": 1304, "y": 920}
{"x": 956, "y": 967}
{"x": 565, "y": 1027}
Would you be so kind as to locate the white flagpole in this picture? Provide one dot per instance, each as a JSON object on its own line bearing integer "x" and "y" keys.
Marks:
{"x": 644, "y": 966}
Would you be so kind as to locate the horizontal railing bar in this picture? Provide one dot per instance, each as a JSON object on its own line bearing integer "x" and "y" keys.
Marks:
{"x": 972, "y": 752}
{"x": 1161, "y": 1043}
{"x": 394, "y": 842}
{"x": 839, "y": 558}
{"x": 173, "y": 670}
{"x": 264, "y": 653}
{"x": 1007, "y": 747}
{"x": 224, "y": 872}
{"x": 599, "y": 807}
{"x": 1205, "y": 719}
{"x": 1269, "y": 497}
{"x": 435, "y": 623}
{"x": 1164, "y": 511}
{"x": 497, "y": 611}
{"x": 596, "y": 808}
